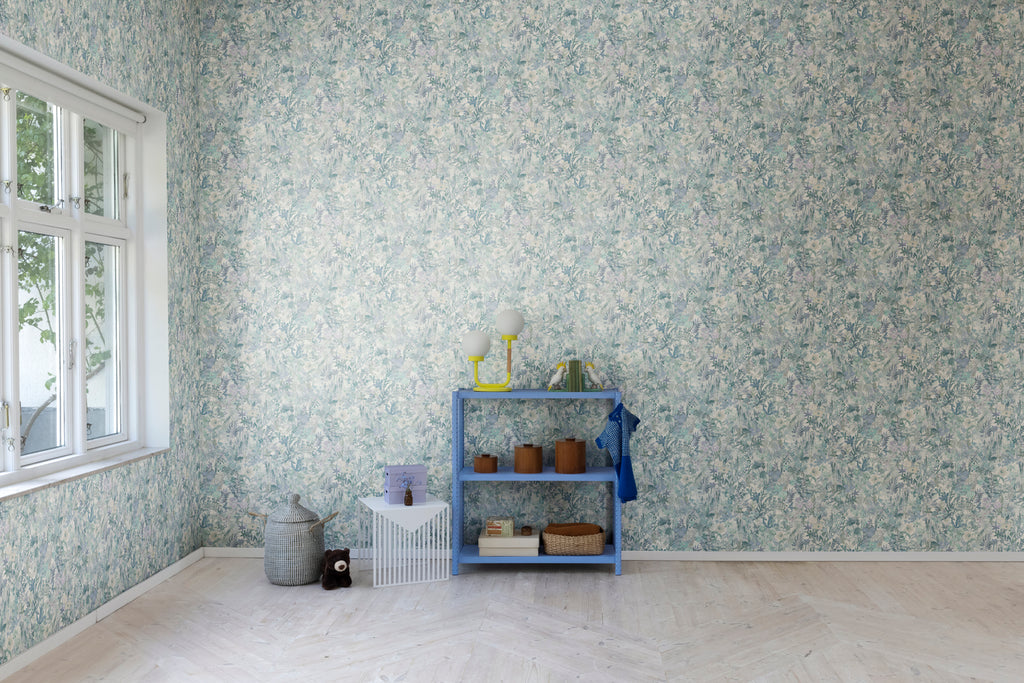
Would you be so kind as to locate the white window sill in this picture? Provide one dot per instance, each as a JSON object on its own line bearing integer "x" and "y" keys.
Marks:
{"x": 27, "y": 486}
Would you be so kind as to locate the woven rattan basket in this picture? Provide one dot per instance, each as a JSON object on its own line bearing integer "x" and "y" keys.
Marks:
{"x": 294, "y": 549}
{"x": 573, "y": 539}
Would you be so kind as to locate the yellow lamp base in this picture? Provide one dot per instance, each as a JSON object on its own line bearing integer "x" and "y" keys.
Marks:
{"x": 484, "y": 386}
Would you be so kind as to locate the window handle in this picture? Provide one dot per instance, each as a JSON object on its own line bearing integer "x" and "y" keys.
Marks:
{"x": 8, "y": 440}
{"x": 45, "y": 208}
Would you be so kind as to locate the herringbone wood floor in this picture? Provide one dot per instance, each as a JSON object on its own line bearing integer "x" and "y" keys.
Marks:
{"x": 220, "y": 620}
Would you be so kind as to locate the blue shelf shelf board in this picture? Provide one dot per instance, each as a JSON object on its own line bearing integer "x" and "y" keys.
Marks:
{"x": 471, "y": 555}
{"x": 549, "y": 474}
{"x": 537, "y": 393}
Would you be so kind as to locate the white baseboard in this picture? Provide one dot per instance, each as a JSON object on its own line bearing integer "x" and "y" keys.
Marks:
{"x": 735, "y": 556}
{"x": 233, "y": 552}
{"x": 135, "y": 591}
{"x": 67, "y": 633}
{"x": 812, "y": 556}
{"x": 356, "y": 553}
{"x": 102, "y": 612}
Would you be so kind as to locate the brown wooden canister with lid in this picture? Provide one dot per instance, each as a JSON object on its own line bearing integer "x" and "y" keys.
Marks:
{"x": 570, "y": 456}
{"x": 529, "y": 459}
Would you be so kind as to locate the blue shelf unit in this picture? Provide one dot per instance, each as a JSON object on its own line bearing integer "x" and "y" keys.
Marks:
{"x": 462, "y": 473}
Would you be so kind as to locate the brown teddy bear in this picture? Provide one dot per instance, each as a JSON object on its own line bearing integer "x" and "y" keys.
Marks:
{"x": 335, "y": 569}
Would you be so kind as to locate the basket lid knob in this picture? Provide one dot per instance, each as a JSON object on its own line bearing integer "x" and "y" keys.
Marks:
{"x": 293, "y": 512}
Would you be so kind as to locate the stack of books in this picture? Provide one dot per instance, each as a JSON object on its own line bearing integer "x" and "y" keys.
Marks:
{"x": 516, "y": 545}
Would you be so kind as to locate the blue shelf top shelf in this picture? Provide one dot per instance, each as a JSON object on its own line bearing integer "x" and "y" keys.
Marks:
{"x": 612, "y": 393}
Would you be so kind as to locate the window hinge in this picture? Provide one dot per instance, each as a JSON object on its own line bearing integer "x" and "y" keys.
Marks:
{"x": 126, "y": 186}
{"x": 72, "y": 347}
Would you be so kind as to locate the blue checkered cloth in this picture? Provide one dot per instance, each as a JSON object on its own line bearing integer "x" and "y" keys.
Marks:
{"x": 617, "y": 442}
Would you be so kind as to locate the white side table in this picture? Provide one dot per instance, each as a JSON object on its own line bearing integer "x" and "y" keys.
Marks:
{"x": 411, "y": 544}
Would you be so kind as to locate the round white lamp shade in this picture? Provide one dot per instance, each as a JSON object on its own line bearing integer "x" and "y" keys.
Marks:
{"x": 510, "y": 323}
{"x": 476, "y": 344}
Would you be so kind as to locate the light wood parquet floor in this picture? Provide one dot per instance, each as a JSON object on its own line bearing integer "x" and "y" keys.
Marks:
{"x": 220, "y": 620}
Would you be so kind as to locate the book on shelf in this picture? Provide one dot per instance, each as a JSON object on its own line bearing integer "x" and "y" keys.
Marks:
{"x": 509, "y": 552}
{"x": 515, "y": 541}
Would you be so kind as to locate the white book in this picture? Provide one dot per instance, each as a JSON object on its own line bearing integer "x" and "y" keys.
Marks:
{"x": 517, "y": 541}
{"x": 509, "y": 552}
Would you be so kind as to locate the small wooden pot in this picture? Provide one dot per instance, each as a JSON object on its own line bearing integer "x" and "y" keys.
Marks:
{"x": 570, "y": 456}
{"x": 485, "y": 463}
{"x": 529, "y": 459}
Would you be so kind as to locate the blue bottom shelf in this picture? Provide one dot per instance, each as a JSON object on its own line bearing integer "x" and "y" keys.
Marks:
{"x": 471, "y": 555}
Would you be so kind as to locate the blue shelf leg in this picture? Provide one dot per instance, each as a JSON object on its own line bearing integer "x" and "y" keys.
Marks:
{"x": 618, "y": 501}
{"x": 618, "y": 528}
{"x": 458, "y": 457}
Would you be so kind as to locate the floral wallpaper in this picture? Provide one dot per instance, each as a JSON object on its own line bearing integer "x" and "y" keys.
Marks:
{"x": 71, "y": 548}
{"x": 788, "y": 232}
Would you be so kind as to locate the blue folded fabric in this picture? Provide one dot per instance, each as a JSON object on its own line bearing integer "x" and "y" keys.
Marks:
{"x": 616, "y": 440}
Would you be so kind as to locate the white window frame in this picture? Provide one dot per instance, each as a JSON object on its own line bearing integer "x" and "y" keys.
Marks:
{"x": 123, "y": 342}
{"x": 65, "y": 380}
{"x": 140, "y": 233}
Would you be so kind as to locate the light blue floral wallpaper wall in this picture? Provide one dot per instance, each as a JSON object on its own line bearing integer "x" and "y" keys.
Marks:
{"x": 69, "y": 549}
{"x": 788, "y": 231}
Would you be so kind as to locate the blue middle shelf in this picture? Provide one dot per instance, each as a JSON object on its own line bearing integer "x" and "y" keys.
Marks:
{"x": 548, "y": 474}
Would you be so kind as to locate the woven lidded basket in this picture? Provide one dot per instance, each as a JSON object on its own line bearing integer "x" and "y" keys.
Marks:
{"x": 294, "y": 544}
{"x": 573, "y": 539}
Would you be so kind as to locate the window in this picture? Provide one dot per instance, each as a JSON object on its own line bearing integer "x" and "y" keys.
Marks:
{"x": 82, "y": 270}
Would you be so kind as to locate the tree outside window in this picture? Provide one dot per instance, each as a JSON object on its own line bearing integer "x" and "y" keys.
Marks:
{"x": 41, "y": 288}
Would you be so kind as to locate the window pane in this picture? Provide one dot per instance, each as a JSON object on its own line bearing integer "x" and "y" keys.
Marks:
{"x": 100, "y": 170}
{"x": 40, "y": 335}
{"x": 102, "y": 350}
{"x": 37, "y": 164}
